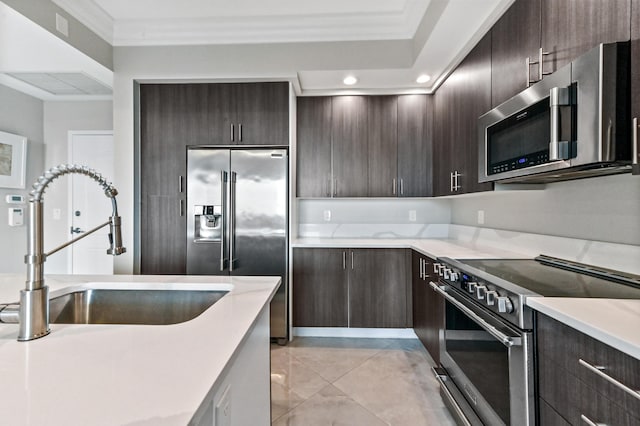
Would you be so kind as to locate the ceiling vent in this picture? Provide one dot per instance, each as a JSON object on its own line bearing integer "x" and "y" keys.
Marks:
{"x": 67, "y": 83}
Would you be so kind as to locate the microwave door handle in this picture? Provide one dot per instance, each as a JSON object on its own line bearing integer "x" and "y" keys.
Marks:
{"x": 558, "y": 150}
{"x": 508, "y": 341}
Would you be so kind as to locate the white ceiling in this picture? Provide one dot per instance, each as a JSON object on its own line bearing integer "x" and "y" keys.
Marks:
{"x": 432, "y": 36}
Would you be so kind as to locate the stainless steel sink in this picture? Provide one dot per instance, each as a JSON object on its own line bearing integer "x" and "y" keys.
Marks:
{"x": 117, "y": 306}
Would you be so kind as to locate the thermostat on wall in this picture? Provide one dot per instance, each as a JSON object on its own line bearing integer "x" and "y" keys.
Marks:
{"x": 16, "y": 216}
{"x": 15, "y": 199}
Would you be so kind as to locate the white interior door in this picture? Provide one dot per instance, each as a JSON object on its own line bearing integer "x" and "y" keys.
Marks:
{"x": 89, "y": 207}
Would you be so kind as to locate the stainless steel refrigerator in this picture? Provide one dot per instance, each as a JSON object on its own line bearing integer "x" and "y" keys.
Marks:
{"x": 237, "y": 218}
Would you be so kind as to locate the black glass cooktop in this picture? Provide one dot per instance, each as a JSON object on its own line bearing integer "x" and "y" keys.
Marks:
{"x": 552, "y": 281}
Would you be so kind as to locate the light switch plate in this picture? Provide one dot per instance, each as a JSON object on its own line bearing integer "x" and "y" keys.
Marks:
{"x": 412, "y": 215}
{"x": 326, "y": 215}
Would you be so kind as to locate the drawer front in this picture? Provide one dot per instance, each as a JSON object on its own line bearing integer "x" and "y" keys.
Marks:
{"x": 572, "y": 398}
{"x": 549, "y": 416}
{"x": 566, "y": 346}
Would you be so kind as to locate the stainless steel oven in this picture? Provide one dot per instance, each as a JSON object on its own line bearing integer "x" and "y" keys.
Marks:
{"x": 486, "y": 348}
{"x": 488, "y": 377}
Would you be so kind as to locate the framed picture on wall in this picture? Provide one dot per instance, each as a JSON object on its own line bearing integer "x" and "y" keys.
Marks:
{"x": 13, "y": 160}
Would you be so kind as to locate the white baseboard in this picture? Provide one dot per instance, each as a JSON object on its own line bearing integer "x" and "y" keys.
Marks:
{"x": 378, "y": 333}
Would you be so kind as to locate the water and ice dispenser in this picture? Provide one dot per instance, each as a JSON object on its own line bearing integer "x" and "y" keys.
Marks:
{"x": 208, "y": 223}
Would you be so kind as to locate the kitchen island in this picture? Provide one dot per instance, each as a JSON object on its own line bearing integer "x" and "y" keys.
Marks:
{"x": 214, "y": 367}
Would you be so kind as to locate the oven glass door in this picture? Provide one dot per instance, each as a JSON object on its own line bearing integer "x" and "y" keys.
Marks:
{"x": 482, "y": 360}
{"x": 488, "y": 360}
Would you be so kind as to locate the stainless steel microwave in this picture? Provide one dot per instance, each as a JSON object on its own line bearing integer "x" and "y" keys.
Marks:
{"x": 575, "y": 123}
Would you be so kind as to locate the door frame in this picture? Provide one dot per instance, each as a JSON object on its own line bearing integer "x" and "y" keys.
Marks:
{"x": 70, "y": 135}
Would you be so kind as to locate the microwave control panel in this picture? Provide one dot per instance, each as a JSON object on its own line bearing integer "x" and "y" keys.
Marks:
{"x": 524, "y": 161}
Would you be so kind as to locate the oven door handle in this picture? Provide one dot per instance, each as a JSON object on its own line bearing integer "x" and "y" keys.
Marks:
{"x": 508, "y": 341}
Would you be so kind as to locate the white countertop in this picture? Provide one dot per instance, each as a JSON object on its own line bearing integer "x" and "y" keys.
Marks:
{"x": 124, "y": 374}
{"x": 612, "y": 321}
{"x": 430, "y": 247}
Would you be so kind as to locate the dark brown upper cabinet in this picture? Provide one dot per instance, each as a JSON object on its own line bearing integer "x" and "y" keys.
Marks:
{"x": 350, "y": 146}
{"x": 514, "y": 38}
{"x": 572, "y": 27}
{"x": 262, "y": 113}
{"x": 364, "y": 146}
{"x": 314, "y": 147}
{"x": 548, "y": 34}
{"x": 635, "y": 78}
{"x": 415, "y": 134}
{"x": 464, "y": 97}
{"x": 383, "y": 146}
{"x": 248, "y": 113}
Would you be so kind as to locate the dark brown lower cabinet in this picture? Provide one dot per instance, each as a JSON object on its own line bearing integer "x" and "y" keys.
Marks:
{"x": 428, "y": 306}
{"x": 574, "y": 391}
{"x": 351, "y": 288}
{"x": 320, "y": 291}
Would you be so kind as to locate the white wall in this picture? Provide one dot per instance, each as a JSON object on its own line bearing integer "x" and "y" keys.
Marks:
{"x": 22, "y": 115}
{"x": 60, "y": 118}
{"x": 601, "y": 209}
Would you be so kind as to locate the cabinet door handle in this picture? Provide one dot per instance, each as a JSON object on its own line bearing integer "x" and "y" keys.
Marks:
{"x": 180, "y": 183}
{"x": 540, "y": 63}
{"x": 232, "y": 133}
{"x": 421, "y": 268}
{"x": 541, "y": 55}
{"x": 424, "y": 277}
{"x": 335, "y": 187}
{"x": 598, "y": 370}
{"x": 393, "y": 186}
{"x": 590, "y": 422}
{"x": 451, "y": 181}
{"x": 401, "y": 186}
{"x": 344, "y": 260}
{"x": 351, "y": 259}
{"x": 240, "y": 132}
{"x": 181, "y": 209}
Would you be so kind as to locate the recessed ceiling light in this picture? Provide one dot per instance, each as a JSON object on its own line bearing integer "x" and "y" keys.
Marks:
{"x": 423, "y": 78}
{"x": 350, "y": 80}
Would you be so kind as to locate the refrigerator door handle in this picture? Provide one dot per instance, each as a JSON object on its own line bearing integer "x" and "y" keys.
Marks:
{"x": 232, "y": 220}
{"x": 223, "y": 202}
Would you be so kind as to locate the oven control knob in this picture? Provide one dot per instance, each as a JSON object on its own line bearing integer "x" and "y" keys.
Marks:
{"x": 505, "y": 305}
{"x": 471, "y": 287}
{"x": 447, "y": 273}
{"x": 454, "y": 276}
{"x": 481, "y": 290}
{"x": 441, "y": 270}
{"x": 491, "y": 297}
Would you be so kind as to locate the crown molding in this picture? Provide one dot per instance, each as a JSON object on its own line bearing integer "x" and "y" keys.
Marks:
{"x": 252, "y": 30}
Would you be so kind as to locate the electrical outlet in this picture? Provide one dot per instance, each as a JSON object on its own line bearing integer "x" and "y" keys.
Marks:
{"x": 57, "y": 214}
{"x": 326, "y": 214}
{"x": 412, "y": 215}
{"x": 480, "y": 217}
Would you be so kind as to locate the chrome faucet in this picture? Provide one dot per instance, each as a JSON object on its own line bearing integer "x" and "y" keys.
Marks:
{"x": 33, "y": 311}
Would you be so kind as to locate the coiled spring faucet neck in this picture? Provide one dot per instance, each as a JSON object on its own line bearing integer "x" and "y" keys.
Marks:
{"x": 55, "y": 172}
{"x": 34, "y": 299}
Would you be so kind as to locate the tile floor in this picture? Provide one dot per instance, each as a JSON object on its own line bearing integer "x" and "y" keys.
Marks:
{"x": 354, "y": 382}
